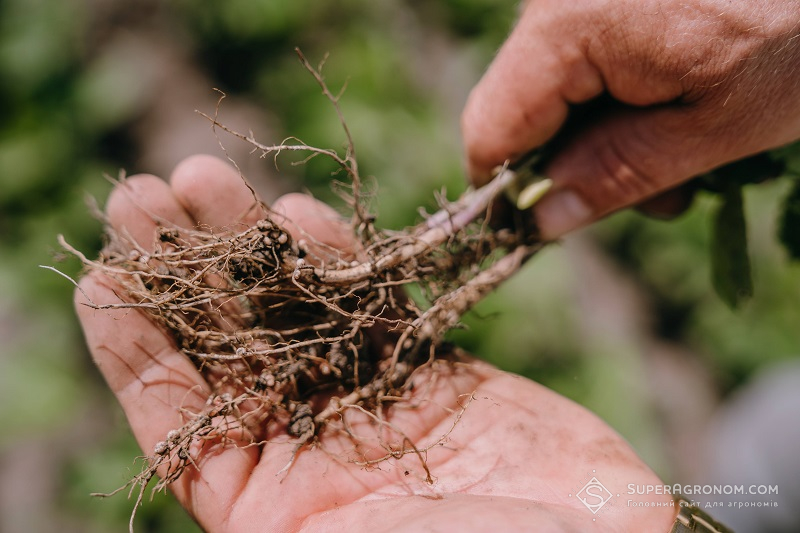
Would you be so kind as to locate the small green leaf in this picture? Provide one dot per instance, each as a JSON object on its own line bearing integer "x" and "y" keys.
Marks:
{"x": 789, "y": 224}
{"x": 730, "y": 263}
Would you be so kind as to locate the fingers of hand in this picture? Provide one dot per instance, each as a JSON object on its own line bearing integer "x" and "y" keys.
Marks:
{"x": 326, "y": 236}
{"x": 619, "y": 162}
{"x": 141, "y": 364}
{"x": 712, "y": 84}
{"x": 669, "y": 204}
{"x": 523, "y": 98}
{"x": 140, "y": 204}
{"x": 213, "y": 193}
{"x": 156, "y": 384}
{"x": 150, "y": 378}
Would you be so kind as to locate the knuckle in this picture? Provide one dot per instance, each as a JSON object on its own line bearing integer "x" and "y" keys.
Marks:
{"x": 622, "y": 177}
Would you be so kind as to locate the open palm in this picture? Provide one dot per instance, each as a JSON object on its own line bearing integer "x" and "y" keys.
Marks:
{"x": 515, "y": 460}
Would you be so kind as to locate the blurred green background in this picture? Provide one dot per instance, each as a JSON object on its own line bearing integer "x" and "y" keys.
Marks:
{"x": 621, "y": 318}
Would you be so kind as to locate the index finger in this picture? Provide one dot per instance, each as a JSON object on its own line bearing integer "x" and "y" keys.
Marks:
{"x": 523, "y": 98}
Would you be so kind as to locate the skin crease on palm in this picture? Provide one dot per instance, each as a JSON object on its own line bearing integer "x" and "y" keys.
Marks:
{"x": 511, "y": 462}
{"x": 701, "y": 83}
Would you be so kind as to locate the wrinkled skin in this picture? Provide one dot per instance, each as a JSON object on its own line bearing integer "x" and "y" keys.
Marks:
{"x": 698, "y": 83}
{"x": 513, "y": 463}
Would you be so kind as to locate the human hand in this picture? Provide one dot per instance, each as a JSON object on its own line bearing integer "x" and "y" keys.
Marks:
{"x": 698, "y": 84}
{"x": 513, "y": 462}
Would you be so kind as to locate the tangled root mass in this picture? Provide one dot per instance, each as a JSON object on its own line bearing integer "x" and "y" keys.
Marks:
{"x": 288, "y": 332}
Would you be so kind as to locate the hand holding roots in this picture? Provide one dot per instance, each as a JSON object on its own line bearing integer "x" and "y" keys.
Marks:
{"x": 294, "y": 336}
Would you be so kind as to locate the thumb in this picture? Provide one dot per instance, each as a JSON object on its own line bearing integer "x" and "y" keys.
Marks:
{"x": 626, "y": 159}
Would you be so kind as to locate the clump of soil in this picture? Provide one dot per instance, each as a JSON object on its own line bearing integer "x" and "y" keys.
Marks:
{"x": 291, "y": 335}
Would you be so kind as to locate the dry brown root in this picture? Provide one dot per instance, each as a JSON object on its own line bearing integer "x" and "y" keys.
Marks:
{"x": 293, "y": 337}
{"x": 273, "y": 330}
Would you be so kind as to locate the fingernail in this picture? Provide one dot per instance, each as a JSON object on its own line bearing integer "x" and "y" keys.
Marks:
{"x": 561, "y": 212}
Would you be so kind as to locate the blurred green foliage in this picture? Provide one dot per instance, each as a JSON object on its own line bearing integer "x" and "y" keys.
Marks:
{"x": 71, "y": 113}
